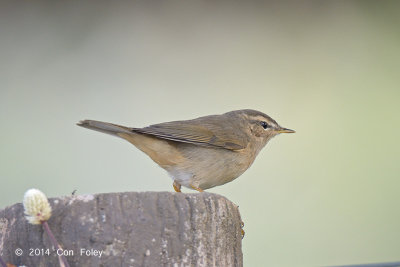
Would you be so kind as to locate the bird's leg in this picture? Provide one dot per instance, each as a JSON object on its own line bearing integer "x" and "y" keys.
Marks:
{"x": 197, "y": 188}
{"x": 177, "y": 186}
{"x": 241, "y": 228}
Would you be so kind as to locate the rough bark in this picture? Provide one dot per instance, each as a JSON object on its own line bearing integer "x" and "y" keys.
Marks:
{"x": 129, "y": 229}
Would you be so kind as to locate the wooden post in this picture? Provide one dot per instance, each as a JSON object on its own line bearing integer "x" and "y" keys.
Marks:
{"x": 128, "y": 229}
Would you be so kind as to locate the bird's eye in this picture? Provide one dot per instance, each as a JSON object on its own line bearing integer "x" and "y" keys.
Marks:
{"x": 264, "y": 125}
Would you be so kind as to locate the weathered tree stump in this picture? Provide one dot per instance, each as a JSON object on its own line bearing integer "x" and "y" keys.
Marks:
{"x": 128, "y": 229}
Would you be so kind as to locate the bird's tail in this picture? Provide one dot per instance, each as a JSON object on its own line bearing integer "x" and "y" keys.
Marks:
{"x": 105, "y": 127}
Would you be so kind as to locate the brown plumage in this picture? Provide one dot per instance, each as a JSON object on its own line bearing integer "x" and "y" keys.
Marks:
{"x": 203, "y": 152}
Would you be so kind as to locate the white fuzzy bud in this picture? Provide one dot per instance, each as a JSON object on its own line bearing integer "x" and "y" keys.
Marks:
{"x": 37, "y": 207}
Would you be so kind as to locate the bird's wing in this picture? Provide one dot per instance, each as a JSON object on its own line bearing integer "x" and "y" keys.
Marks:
{"x": 199, "y": 132}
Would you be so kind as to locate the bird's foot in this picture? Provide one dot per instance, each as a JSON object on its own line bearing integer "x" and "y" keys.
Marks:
{"x": 177, "y": 186}
{"x": 241, "y": 228}
{"x": 196, "y": 188}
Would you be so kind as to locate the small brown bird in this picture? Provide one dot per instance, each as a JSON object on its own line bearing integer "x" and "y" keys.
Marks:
{"x": 203, "y": 152}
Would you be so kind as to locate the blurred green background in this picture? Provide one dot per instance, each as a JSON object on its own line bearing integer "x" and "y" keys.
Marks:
{"x": 327, "y": 195}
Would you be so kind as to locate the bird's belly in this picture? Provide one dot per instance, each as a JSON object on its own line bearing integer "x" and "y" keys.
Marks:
{"x": 207, "y": 167}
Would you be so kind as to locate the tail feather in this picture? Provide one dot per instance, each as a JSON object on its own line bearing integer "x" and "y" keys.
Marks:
{"x": 104, "y": 127}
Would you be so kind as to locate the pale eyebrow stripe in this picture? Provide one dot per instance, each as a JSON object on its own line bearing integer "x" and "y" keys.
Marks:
{"x": 256, "y": 119}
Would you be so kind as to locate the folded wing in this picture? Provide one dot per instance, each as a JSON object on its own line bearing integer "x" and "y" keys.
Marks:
{"x": 210, "y": 133}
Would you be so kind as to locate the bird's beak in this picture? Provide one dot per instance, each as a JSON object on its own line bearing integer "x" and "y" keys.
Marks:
{"x": 285, "y": 130}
